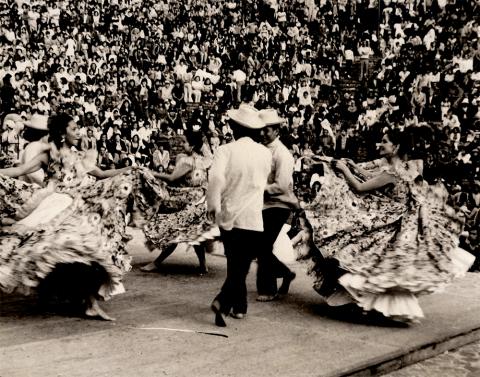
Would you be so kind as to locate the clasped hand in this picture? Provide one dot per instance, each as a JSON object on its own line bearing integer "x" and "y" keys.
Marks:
{"x": 339, "y": 165}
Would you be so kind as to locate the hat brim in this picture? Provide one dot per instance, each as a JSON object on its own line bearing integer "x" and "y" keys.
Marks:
{"x": 245, "y": 120}
{"x": 37, "y": 127}
{"x": 274, "y": 121}
{"x": 38, "y": 122}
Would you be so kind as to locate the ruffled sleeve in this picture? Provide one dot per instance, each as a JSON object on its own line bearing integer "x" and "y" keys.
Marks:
{"x": 89, "y": 160}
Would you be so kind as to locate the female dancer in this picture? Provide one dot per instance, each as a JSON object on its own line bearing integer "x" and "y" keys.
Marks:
{"x": 384, "y": 240}
{"x": 73, "y": 227}
{"x": 187, "y": 184}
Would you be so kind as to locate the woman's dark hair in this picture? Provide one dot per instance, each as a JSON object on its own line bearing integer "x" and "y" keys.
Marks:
{"x": 57, "y": 128}
{"x": 32, "y": 134}
{"x": 399, "y": 138}
{"x": 195, "y": 139}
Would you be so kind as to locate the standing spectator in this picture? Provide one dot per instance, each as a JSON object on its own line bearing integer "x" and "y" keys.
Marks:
{"x": 239, "y": 77}
{"x": 364, "y": 51}
{"x": 7, "y": 94}
{"x": 419, "y": 101}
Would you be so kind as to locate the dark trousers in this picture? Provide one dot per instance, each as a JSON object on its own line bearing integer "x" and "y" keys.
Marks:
{"x": 269, "y": 267}
{"x": 240, "y": 246}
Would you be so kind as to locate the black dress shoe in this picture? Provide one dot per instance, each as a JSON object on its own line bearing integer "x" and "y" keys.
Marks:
{"x": 202, "y": 270}
{"x": 283, "y": 290}
{"x": 219, "y": 316}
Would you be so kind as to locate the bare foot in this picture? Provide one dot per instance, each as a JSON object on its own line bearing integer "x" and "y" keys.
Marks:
{"x": 149, "y": 267}
{"x": 96, "y": 311}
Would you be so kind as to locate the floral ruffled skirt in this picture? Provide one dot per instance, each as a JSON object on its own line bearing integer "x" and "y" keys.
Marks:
{"x": 377, "y": 251}
{"x": 85, "y": 225}
{"x": 189, "y": 225}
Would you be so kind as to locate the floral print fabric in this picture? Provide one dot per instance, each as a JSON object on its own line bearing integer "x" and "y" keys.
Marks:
{"x": 197, "y": 165}
{"x": 189, "y": 225}
{"x": 401, "y": 239}
{"x": 91, "y": 229}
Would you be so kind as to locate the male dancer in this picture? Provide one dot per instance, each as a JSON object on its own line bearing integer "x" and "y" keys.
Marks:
{"x": 237, "y": 181}
{"x": 279, "y": 201}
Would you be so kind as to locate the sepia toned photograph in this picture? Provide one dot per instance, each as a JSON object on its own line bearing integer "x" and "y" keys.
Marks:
{"x": 239, "y": 188}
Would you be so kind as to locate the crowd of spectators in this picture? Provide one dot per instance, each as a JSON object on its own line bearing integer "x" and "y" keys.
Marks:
{"x": 137, "y": 73}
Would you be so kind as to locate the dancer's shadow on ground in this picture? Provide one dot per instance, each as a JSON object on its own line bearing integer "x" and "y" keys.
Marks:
{"x": 176, "y": 269}
{"x": 33, "y": 307}
{"x": 349, "y": 313}
{"x": 353, "y": 314}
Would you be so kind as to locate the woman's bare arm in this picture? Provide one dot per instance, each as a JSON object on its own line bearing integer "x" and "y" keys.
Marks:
{"x": 101, "y": 174}
{"x": 178, "y": 172}
{"x": 27, "y": 168}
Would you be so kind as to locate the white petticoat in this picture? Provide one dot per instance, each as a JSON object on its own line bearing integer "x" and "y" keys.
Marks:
{"x": 401, "y": 306}
{"x": 48, "y": 208}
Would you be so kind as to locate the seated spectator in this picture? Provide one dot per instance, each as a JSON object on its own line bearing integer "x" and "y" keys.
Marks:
{"x": 207, "y": 91}
{"x": 197, "y": 89}
{"x": 160, "y": 157}
{"x": 105, "y": 159}
{"x": 103, "y": 142}
{"x": 117, "y": 148}
{"x": 101, "y": 62}
{"x": 89, "y": 141}
{"x": 305, "y": 99}
{"x": 178, "y": 93}
{"x": 10, "y": 139}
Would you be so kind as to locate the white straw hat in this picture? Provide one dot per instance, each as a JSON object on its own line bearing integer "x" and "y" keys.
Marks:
{"x": 247, "y": 116}
{"x": 38, "y": 122}
{"x": 270, "y": 117}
